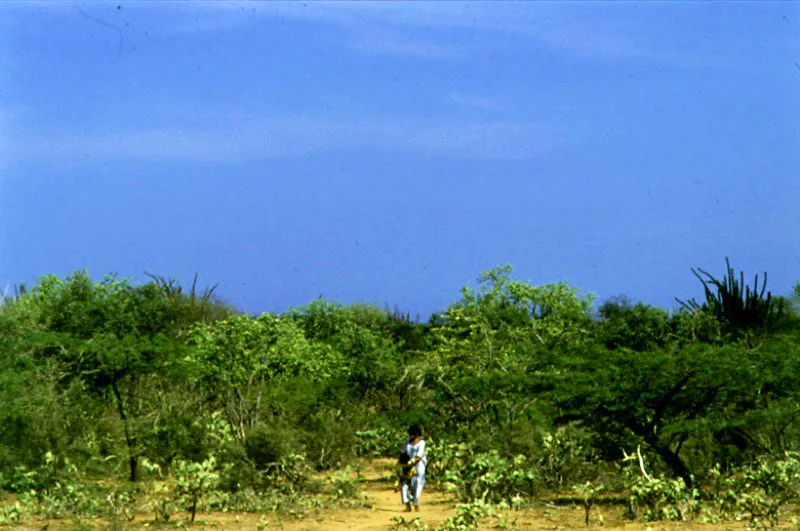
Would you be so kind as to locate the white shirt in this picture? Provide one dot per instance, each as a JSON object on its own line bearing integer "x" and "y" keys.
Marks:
{"x": 417, "y": 450}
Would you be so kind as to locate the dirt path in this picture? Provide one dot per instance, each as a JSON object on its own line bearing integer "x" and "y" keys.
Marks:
{"x": 437, "y": 506}
{"x": 385, "y": 504}
{"x": 382, "y": 504}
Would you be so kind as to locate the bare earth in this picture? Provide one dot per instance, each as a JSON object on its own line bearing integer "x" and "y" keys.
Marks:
{"x": 437, "y": 507}
{"x": 383, "y": 504}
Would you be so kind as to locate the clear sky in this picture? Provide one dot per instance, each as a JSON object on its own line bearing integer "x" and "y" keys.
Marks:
{"x": 389, "y": 152}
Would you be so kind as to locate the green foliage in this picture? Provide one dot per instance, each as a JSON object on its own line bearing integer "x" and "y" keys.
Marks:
{"x": 662, "y": 499}
{"x": 565, "y": 457}
{"x": 417, "y": 524}
{"x": 70, "y": 499}
{"x": 122, "y": 505}
{"x": 736, "y": 306}
{"x": 497, "y": 404}
{"x": 589, "y": 493}
{"x": 638, "y": 327}
{"x": 192, "y": 306}
{"x": 658, "y": 499}
{"x": 470, "y": 515}
{"x": 290, "y": 474}
{"x": 379, "y": 442}
{"x": 444, "y": 458}
{"x": 54, "y": 489}
{"x": 680, "y": 402}
{"x": 689, "y": 327}
{"x": 240, "y": 358}
{"x": 344, "y": 486}
{"x": 38, "y": 412}
{"x": 108, "y": 337}
{"x": 10, "y": 515}
{"x": 161, "y": 502}
{"x": 491, "y": 478}
{"x": 357, "y": 336}
{"x": 757, "y": 492}
{"x": 552, "y": 314}
{"x": 193, "y": 481}
{"x": 531, "y": 388}
{"x": 50, "y": 471}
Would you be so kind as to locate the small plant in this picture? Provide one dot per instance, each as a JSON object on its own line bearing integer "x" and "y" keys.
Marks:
{"x": 11, "y": 514}
{"x": 153, "y": 469}
{"x": 54, "y": 490}
{"x": 588, "y": 491}
{"x": 400, "y": 523}
{"x": 161, "y": 502}
{"x": 49, "y": 471}
{"x": 757, "y": 492}
{"x": 344, "y": 487}
{"x": 736, "y": 307}
{"x": 563, "y": 456}
{"x": 20, "y": 479}
{"x": 506, "y": 522}
{"x": 263, "y": 523}
{"x": 68, "y": 499}
{"x": 193, "y": 481}
{"x": 121, "y": 502}
{"x": 491, "y": 478}
{"x": 290, "y": 473}
{"x": 660, "y": 499}
{"x": 468, "y": 516}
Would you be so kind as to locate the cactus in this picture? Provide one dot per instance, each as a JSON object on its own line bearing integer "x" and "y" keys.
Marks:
{"x": 737, "y": 307}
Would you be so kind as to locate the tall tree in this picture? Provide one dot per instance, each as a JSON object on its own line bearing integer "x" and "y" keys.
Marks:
{"x": 112, "y": 336}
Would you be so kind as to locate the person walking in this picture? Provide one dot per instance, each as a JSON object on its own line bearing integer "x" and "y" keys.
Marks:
{"x": 414, "y": 446}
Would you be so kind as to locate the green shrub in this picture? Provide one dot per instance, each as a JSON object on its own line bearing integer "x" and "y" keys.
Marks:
{"x": 290, "y": 474}
{"x": 756, "y": 492}
{"x": 444, "y": 457}
{"x": 652, "y": 498}
{"x": 10, "y": 515}
{"x": 267, "y": 445}
{"x": 565, "y": 457}
{"x": 379, "y": 442}
{"x": 344, "y": 487}
{"x": 588, "y": 492}
{"x": 662, "y": 499}
{"x": 193, "y": 481}
{"x": 237, "y": 471}
{"x": 491, "y": 478}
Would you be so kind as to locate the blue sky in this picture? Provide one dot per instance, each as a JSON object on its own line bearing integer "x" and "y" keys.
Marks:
{"x": 389, "y": 152}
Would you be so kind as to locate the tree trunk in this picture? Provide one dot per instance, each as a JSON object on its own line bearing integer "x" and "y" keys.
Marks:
{"x": 130, "y": 440}
{"x": 673, "y": 461}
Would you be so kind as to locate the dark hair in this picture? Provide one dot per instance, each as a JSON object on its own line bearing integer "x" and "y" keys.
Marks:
{"x": 404, "y": 458}
{"x": 414, "y": 431}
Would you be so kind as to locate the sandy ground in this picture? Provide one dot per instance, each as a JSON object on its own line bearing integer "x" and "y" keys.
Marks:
{"x": 438, "y": 506}
{"x": 382, "y": 504}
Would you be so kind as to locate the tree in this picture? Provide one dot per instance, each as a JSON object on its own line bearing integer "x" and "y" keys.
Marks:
{"x": 503, "y": 322}
{"x": 357, "y": 334}
{"x": 683, "y": 396}
{"x": 239, "y": 358}
{"x": 35, "y": 412}
{"x": 639, "y": 327}
{"x": 114, "y": 337}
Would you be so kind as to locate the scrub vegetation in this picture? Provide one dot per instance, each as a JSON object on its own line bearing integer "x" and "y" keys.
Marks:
{"x": 126, "y": 404}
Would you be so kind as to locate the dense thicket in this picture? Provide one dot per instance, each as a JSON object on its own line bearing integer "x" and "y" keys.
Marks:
{"x": 111, "y": 374}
